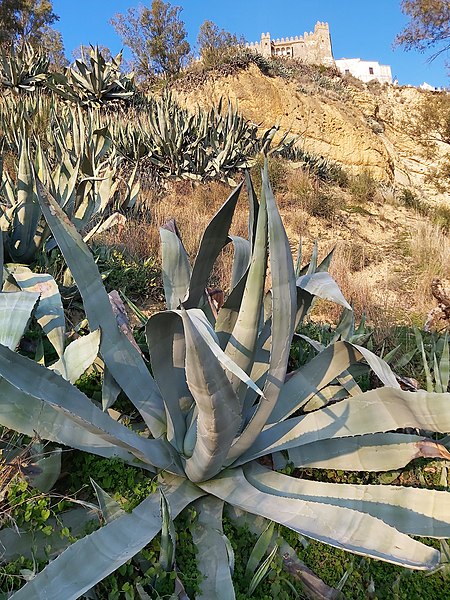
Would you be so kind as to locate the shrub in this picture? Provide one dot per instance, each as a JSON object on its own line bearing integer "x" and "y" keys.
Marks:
{"x": 136, "y": 278}
{"x": 363, "y": 187}
{"x": 441, "y": 216}
{"x": 278, "y": 173}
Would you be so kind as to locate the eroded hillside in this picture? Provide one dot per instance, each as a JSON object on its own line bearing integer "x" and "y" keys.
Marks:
{"x": 388, "y": 251}
{"x": 362, "y": 127}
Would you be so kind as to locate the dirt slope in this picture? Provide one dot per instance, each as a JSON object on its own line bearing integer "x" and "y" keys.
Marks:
{"x": 360, "y": 126}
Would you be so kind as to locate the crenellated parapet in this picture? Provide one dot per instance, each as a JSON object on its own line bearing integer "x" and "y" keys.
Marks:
{"x": 312, "y": 47}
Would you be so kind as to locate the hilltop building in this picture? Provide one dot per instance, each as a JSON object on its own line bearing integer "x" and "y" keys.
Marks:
{"x": 315, "y": 48}
{"x": 366, "y": 70}
{"x": 312, "y": 48}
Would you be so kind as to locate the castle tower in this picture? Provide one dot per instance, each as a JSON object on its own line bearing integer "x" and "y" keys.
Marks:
{"x": 324, "y": 49}
{"x": 266, "y": 45}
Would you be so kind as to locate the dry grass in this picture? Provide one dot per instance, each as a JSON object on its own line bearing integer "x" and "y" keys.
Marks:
{"x": 374, "y": 274}
{"x": 306, "y": 194}
{"x": 429, "y": 247}
{"x": 350, "y": 268}
{"x": 192, "y": 206}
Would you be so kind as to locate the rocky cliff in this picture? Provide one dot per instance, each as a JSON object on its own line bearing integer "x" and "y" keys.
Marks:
{"x": 363, "y": 127}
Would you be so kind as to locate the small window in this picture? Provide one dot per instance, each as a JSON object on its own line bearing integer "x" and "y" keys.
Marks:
{"x": 347, "y": 71}
{"x": 371, "y": 70}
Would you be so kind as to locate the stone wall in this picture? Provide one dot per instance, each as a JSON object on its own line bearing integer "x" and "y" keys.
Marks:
{"x": 312, "y": 48}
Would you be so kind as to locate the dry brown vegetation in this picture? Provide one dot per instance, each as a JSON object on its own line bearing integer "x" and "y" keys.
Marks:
{"x": 386, "y": 254}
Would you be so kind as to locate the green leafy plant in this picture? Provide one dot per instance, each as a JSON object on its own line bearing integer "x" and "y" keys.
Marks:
{"x": 220, "y": 398}
{"x": 134, "y": 278}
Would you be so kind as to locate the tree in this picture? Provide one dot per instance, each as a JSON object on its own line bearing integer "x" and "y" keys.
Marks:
{"x": 429, "y": 25}
{"x": 25, "y": 20}
{"x": 156, "y": 37}
{"x": 33, "y": 17}
{"x": 28, "y": 21}
{"x": 52, "y": 43}
{"x": 215, "y": 44}
{"x": 9, "y": 19}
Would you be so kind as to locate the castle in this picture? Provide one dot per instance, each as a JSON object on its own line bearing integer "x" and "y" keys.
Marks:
{"x": 315, "y": 48}
{"x": 312, "y": 48}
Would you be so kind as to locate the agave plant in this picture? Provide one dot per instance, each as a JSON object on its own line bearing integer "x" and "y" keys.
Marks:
{"x": 195, "y": 145}
{"x": 23, "y": 69}
{"x": 81, "y": 170}
{"x": 95, "y": 80}
{"x": 219, "y": 400}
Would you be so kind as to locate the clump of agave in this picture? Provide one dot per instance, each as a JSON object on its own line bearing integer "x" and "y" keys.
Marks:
{"x": 219, "y": 400}
{"x": 94, "y": 81}
{"x": 23, "y": 69}
{"x": 80, "y": 169}
{"x": 195, "y": 145}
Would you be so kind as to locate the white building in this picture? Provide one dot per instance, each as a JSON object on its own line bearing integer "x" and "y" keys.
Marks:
{"x": 366, "y": 70}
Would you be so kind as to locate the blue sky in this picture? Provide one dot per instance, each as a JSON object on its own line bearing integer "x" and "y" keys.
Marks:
{"x": 359, "y": 28}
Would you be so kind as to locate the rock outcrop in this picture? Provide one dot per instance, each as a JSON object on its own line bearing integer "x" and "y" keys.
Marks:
{"x": 358, "y": 125}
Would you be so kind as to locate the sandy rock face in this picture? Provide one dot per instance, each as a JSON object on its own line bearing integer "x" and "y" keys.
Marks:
{"x": 360, "y": 127}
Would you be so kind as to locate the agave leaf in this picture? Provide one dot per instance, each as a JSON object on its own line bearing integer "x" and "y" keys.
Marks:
{"x": 32, "y": 417}
{"x": 323, "y": 266}
{"x": 334, "y": 525}
{"x": 444, "y": 364}
{"x": 262, "y": 571}
{"x": 167, "y": 347}
{"x": 284, "y": 308}
{"x": 346, "y": 325}
{"x": 95, "y": 556}
{"x": 15, "y": 312}
{"x": 304, "y": 303}
{"x": 410, "y": 510}
{"x": 45, "y": 385}
{"x": 307, "y": 381}
{"x": 109, "y": 507}
{"x": 241, "y": 344}
{"x": 110, "y": 390}
{"x": 312, "y": 267}
{"x": 241, "y": 261}
{"x": 176, "y": 270}
{"x": 212, "y": 552}
{"x": 381, "y": 369}
{"x": 168, "y": 536}
{"x": 426, "y": 368}
{"x": 78, "y": 356}
{"x": 114, "y": 219}
{"x": 35, "y": 545}
{"x": 22, "y": 243}
{"x": 122, "y": 359}
{"x": 2, "y": 256}
{"x": 228, "y": 314}
{"x": 375, "y": 411}
{"x": 49, "y": 470}
{"x": 437, "y": 377}
{"x": 219, "y": 415}
{"x": 322, "y": 285}
{"x": 215, "y": 237}
{"x": 253, "y": 208}
{"x": 259, "y": 550}
{"x": 373, "y": 452}
{"x": 49, "y": 312}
